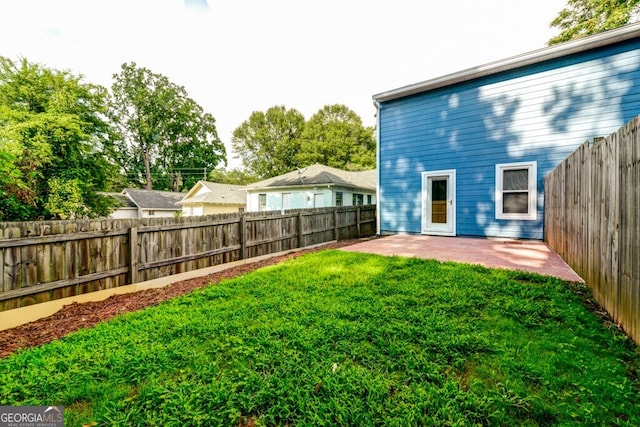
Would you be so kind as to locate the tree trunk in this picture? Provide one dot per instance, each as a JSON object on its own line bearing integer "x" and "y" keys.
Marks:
{"x": 147, "y": 169}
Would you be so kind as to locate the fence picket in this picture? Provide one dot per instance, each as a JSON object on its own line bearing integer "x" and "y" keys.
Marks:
{"x": 599, "y": 235}
{"x": 51, "y": 260}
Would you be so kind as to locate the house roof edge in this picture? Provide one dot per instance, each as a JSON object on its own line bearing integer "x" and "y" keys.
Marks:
{"x": 584, "y": 44}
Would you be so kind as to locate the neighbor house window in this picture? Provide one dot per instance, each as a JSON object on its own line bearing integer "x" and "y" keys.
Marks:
{"x": 338, "y": 198}
{"x": 368, "y": 199}
{"x": 262, "y": 202}
{"x": 516, "y": 191}
{"x": 358, "y": 199}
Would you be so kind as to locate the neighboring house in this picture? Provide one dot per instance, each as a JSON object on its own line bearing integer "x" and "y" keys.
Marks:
{"x": 147, "y": 204}
{"x": 315, "y": 186}
{"x": 208, "y": 198}
{"x": 467, "y": 153}
{"x": 126, "y": 208}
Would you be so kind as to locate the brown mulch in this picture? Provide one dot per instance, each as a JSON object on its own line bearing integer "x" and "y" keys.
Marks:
{"x": 84, "y": 315}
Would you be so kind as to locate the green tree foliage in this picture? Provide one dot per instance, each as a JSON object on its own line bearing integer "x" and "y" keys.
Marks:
{"x": 164, "y": 139}
{"x": 65, "y": 199}
{"x": 581, "y": 18}
{"x": 268, "y": 141}
{"x": 51, "y": 128}
{"x": 278, "y": 141}
{"x": 234, "y": 176}
{"x": 335, "y": 137}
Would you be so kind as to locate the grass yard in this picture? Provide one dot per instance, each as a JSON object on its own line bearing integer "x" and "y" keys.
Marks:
{"x": 337, "y": 338}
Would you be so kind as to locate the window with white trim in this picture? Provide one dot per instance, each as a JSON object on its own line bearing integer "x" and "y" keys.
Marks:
{"x": 516, "y": 191}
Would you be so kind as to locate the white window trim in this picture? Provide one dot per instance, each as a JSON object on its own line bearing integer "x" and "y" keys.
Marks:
{"x": 260, "y": 207}
{"x": 533, "y": 190}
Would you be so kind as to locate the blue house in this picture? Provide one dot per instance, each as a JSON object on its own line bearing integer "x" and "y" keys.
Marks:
{"x": 466, "y": 153}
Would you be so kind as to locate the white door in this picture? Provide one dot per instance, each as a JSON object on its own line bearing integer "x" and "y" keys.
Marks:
{"x": 439, "y": 202}
{"x": 286, "y": 201}
{"x": 318, "y": 200}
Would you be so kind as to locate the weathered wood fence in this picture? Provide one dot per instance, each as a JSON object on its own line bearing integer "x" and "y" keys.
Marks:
{"x": 42, "y": 261}
{"x": 592, "y": 220}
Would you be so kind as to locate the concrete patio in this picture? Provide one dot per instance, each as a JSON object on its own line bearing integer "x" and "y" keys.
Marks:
{"x": 528, "y": 255}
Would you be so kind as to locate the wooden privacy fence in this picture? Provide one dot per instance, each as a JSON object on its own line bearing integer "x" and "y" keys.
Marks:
{"x": 592, "y": 220}
{"x": 42, "y": 261}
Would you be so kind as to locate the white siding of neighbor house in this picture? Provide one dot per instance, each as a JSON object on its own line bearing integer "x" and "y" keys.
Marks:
{"x": 192, "y": 210}
{"x": 129, "y": 213}
{"x": 124, "y": 213}
{"x": 305, "y": 198}
{"x": 146, "y": 213}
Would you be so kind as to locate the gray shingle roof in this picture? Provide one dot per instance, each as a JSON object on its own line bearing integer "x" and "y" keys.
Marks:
{"x": 125, "y": 202}
{"x": 219, "y": 194}
{"x": 154, "y": 199}
{"x": 321, "y": 175}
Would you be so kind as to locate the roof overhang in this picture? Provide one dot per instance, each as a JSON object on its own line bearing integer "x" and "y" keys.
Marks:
{"x": 607, "y": 38}
{"x": 307, "y": 187}
{"x": 291, "y": 187}
{"x": 203, "y": 203}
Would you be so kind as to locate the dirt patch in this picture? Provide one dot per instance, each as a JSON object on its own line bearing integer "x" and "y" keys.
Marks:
{"x": 76, "y": 316}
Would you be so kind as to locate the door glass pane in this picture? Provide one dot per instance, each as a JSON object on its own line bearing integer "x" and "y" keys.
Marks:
{"x": 439, "y": 200}
{"x": 515, "y": 203}
{"x": 515, "y": 179}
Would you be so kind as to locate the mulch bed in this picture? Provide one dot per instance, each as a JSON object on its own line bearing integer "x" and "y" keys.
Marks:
{"x": 84, "y": 315}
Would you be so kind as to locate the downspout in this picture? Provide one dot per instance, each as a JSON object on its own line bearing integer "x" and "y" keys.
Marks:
{"x": 378, "y": 168}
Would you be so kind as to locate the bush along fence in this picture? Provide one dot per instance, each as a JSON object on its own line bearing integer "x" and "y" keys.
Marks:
{"x": 592, "y": 220}
{"x": 43, "y": 261}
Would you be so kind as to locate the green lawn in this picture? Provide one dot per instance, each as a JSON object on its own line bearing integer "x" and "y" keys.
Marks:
{"x": 337, "y": 338}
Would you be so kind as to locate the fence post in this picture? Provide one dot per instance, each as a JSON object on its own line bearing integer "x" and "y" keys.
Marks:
{"x": 243, "y": 239}
{"x": 300, "y": 229}
{"x": 133, "y": 255}
{"x": 358, "y": 221}
{"x": 336, "y": 230}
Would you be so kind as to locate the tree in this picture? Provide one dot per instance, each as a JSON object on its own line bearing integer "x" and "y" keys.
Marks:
{"x": 234, "y": 176}
{"x": 162, "y": 134}
{"x": 268, "y": 141}
{"x": 51, "y": 130}
{"x": 335, "y": 137}
{"x": 279, "y": 141}
{"x": 585, "y": 17}
{"x": 65, "y": 199}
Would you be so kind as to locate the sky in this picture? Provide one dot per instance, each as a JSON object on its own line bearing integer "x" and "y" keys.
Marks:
{"x": 235, "y": 57}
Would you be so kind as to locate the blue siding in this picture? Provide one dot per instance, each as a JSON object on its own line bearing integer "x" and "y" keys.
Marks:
{"x": 536, "y": 113}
